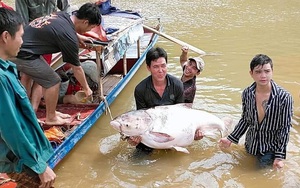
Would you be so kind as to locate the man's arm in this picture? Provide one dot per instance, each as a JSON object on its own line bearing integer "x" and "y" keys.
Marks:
{"x": 283, "y": 135}
{"x": 240, "y": 128}
{"x": 184, "y": 55}
{"x": 22, "y": 9}
{"x": 12, "y": 132}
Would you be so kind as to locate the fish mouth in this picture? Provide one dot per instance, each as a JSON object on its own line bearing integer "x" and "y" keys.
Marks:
{"x": 116, "y": 125}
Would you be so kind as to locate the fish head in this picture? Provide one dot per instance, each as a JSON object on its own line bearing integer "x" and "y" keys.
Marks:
{"x": 133, "y": 123}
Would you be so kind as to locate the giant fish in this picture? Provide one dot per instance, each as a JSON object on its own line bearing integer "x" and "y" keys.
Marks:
{"x": 170, "y": 126}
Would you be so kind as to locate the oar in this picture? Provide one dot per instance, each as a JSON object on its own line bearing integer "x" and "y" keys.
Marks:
{"x": 201, "y": 52}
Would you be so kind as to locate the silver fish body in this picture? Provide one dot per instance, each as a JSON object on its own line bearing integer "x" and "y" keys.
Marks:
{"x": 166, "y": 127}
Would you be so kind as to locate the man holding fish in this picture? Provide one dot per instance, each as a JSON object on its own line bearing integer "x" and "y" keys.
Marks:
{"x": 160, "y": 88}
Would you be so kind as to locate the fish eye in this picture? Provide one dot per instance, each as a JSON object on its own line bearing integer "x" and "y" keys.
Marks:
{"x": 127, "y": 125}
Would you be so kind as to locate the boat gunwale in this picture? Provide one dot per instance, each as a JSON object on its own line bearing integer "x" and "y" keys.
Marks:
{"x": 62, "y": 150}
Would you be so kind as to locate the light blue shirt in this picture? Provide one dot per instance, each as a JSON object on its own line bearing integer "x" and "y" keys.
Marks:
{"x": 20, "y": 131}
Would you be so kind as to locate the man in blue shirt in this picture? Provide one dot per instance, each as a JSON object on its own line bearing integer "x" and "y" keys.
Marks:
{"x": 267, "y": 114}
{"x": 24, "y": 147}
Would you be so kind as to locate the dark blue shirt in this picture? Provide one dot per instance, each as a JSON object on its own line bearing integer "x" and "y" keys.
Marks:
{"x": 147, "y": 97}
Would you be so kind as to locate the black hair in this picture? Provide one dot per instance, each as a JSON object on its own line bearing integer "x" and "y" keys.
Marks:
{"x": 10, "y": 21}
{"x": 260, "y": 59}
{"x": 90, "y": 12}
{"x": 155, "y": 53}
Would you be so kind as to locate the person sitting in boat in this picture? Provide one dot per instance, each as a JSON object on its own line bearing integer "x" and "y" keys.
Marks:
{"x": 58, "y": 32}
{"x": 192, "y": 67}
{"x": 70, "y": 89}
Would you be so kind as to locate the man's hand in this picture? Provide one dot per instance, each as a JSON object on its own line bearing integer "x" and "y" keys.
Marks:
{"x": 82, "y": 39}
{"x": 224, "y": 143}
{"x": 134, "y": 140}
{"x": 184, "y": 49}
{"x": 88, "y": 92}
{"x": 47, "y": 178}
{"x": 198, "y": 135}
{"x": 278, "y": 164}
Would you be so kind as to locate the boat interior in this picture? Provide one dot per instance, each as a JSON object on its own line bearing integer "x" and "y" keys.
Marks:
{"x": 113, "y": 59}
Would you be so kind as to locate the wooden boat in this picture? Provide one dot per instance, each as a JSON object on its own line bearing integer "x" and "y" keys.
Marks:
{"x": 117, "y": 62}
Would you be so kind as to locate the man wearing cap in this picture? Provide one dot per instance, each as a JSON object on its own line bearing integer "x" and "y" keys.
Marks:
{"x": 191, "y": 68}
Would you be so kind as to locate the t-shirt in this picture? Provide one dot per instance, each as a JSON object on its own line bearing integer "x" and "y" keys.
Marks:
{"x": 147, "y": 97}
{"x": 189, "y": 87}
{"x": 51, "y": 34}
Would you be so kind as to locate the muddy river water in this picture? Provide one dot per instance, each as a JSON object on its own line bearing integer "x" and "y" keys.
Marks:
{"x": 236, "y": 30}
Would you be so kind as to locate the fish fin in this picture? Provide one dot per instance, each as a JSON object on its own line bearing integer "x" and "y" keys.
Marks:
{"x": 181, "y": 149}
{"x": 161, "y": 137}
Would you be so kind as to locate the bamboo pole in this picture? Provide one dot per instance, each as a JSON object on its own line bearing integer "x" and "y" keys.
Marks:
{"x": 197, "y": 50}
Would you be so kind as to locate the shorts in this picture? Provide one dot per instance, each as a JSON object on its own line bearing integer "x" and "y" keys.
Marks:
{"x": 24, "y": 180}
{"x": 38, "y": 70}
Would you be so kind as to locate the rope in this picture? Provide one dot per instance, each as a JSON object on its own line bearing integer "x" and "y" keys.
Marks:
{"x": 102, "y": 97}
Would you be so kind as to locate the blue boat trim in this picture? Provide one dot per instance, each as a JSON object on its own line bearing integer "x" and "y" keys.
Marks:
{"x": 62, "y": 150}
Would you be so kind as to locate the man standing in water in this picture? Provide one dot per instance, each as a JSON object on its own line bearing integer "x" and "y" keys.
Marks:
{"x": 24, "y": 148}
{"x": 192, "y": 67}
{"x": 266, "y": 116}
{"x": 160, "y": 88}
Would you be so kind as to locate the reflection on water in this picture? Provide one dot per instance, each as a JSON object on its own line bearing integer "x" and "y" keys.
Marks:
{"x": 235, "y": 29}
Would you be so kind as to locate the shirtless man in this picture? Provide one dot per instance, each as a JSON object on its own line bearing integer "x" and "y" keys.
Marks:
{"x": 266, "y": 116}
{"x": 58, "y": 32}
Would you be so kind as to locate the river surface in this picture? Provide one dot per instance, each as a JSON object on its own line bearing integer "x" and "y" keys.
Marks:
{"x": 236, "y": 31}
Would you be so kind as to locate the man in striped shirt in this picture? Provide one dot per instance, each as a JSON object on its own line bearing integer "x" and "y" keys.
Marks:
{"x": 266, "y": 116}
